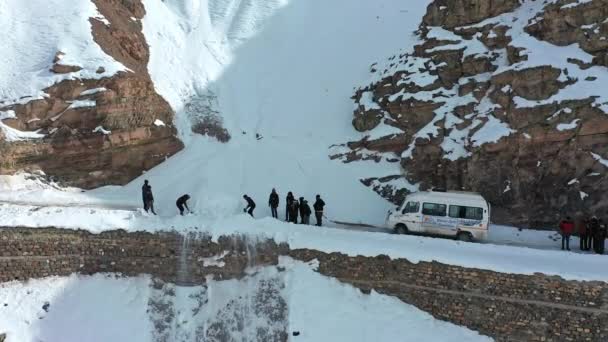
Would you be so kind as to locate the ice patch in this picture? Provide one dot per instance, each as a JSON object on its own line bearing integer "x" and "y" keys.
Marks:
{"x": 367, "y": 101}
{"x": 507, "y": 187}
{"x": 491, "y": 132}
{"x": 93, "y": 91}
{"x": 214, "y": 260}
{"x": 82, "y": 104}
{"x": 575, "y": 4}
{"x": 599, "y": 159}
{"x": 100, "y": 129}
{"x": 13, "y": 135}
{"x": 568, "y": 126}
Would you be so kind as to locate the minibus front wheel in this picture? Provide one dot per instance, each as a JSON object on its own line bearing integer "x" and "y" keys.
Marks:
{"x": 401, "y": 229}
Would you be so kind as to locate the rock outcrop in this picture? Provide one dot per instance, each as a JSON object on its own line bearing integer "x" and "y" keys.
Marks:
{"x": 97, "y": 131}
{"x": 495, "y": 99}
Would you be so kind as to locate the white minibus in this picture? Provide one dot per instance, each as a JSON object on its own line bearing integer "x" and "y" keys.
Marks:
{"x": 464, "y": 215}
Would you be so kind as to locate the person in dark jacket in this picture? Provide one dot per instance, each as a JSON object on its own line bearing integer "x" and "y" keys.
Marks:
{"x": 288, "y": 202}
{"x": 566, "y": 227}
{"x": 592, "y": 228}
{"x": 181, "y": 203}
{"x": 148, "y": 197}
{"x": 305, "y": 212}
{"x": 144, "y": 191}
{"x": 319, "y": 206}
{"x": 250, "y": 205}
{"x": 601, "y": 238}
{"x": 273, "y": 202}
{"x": 293, "y": 211}
{"x": 301, "y": 209}
{"x": 581, "y": 228}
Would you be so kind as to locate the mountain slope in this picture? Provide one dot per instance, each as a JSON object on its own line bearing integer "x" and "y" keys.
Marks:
{"x": 76, "y": 100}
{"x": 499, "y": 97}
{"x": 504, "y": 98}
{"x": 282, "y": 71}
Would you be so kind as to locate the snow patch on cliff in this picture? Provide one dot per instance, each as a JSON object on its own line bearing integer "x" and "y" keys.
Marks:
{"x": 35, "y": 31}
{"x": 11, "y": 134}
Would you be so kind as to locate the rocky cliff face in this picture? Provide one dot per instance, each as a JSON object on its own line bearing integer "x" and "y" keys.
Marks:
{"x": 96, "y": 131}
{"x": 504, "y": 97}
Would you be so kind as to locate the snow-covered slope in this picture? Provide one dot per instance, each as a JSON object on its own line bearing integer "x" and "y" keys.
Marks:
{"x": 283, "y": 70}
{"x": 75, "y": 308}
{"x": 34, "y": 31}
{"x": 280, "y": 75}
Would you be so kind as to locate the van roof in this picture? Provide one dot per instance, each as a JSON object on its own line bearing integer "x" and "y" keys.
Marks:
{"x": 453, "y": 195}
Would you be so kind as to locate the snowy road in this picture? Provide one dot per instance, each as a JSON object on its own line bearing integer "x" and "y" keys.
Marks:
{"x": 499, "y": 235}
{"x": 534, "y": 251}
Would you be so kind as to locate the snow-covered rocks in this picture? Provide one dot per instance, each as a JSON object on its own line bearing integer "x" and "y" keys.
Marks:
{"x": 65, "y": 75}
{"x": 100, "y": 129}
{"x": 490, "y": 89}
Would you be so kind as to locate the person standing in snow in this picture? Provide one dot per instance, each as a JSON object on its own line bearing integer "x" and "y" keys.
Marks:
{"x": 181, "y": 203}
{"x": 319, "y": 206}
{"x": 305, "y": 212}
{"x": 250, "y": 205}
{"x": 566, "y": 227}
{"x": 581, "y": 228}
{"x": 146, "y": 193}
{"x": 592, "y": 228}
{"x": 293, "y": 211}
{"x": 288, "y": 203}
{"x": 144, "y": 189}
{"x": 600, "y": 237}
{"x": 301, "y": 209}
{"x": 273, "y": 202}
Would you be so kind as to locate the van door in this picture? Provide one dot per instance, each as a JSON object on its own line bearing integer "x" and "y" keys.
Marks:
{"x": 435, "y": 220}
{"x": 471, "y": 219}
{"x": 411, "y": 216}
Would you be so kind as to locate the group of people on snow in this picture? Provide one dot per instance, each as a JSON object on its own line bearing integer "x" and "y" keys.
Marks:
{"x": 293, "y": 207}
{"x": 591, "y": 232}
{"x": 148, "y": 198}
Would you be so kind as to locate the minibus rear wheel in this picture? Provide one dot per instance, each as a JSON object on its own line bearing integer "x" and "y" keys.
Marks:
{"x": 464, "y": 236}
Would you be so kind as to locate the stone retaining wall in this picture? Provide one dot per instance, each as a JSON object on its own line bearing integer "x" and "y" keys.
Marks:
{"x": 508, "y": 307}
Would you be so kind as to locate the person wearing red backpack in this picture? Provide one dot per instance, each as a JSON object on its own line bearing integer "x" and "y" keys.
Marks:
{"x": 566, "y": 227}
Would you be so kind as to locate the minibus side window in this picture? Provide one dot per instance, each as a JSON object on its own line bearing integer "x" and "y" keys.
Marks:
{"x": 434, "y": 209}
{"x": 456, "y": 211}
{"x": 411, "y": 207}
{"x": 469, "y": 213}
{"x": 474, "y": 213}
